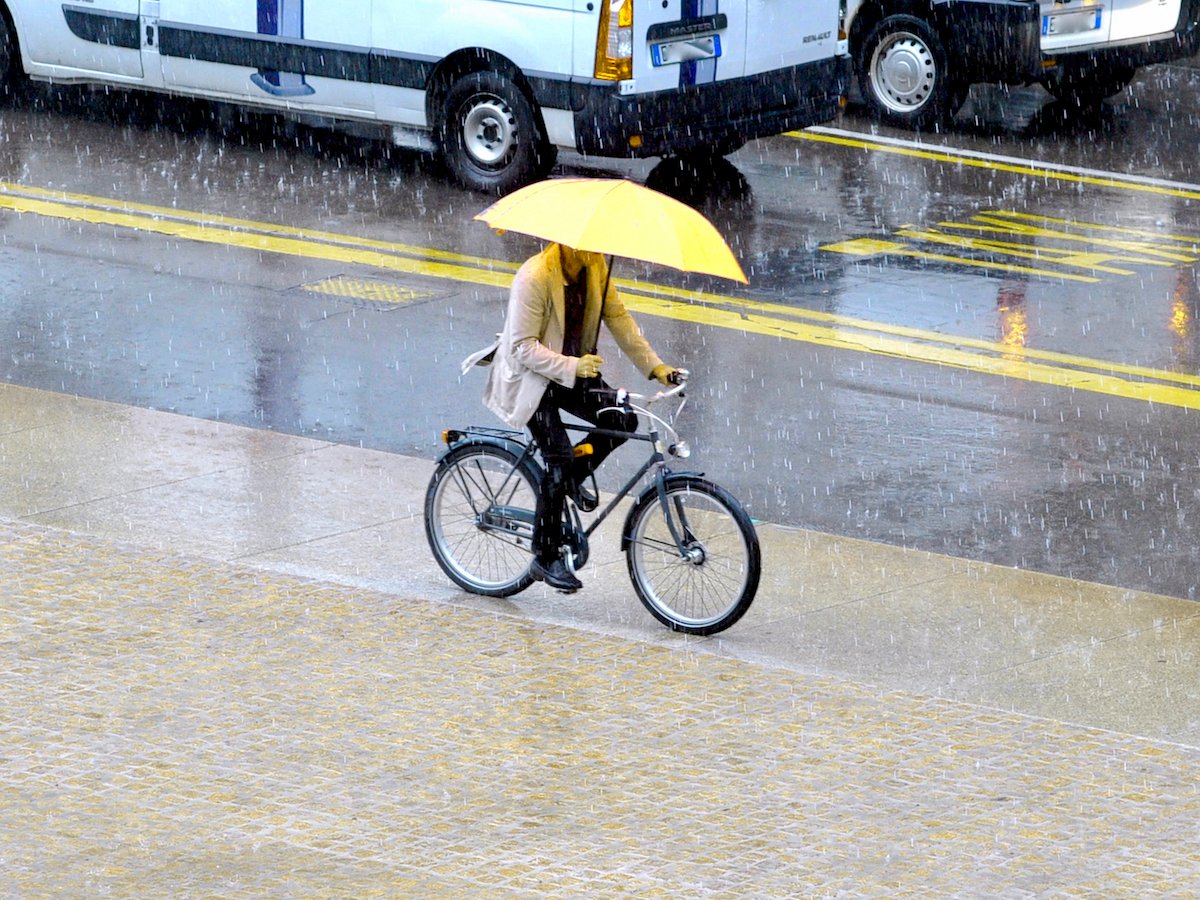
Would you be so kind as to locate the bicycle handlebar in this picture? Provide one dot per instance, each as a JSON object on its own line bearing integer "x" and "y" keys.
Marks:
{"x": 622, "y": 397}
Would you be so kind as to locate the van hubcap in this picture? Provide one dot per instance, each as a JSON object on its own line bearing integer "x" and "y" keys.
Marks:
{"x": 489, "y": 130}
{"x": 904, "y": 72}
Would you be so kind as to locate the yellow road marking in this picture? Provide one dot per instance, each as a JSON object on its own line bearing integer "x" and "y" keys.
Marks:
{"x": 715, "y": 310}
{"x": 367, "y": 289}
{"x": 11, "y": 195}
{"x": 1104, "y": 245}
{"x": 1007, "y": 363}
{"x": 864, "y": 247}
{"x": 996, "y": 165}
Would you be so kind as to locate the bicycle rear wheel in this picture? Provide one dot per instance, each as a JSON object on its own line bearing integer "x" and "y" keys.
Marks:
{"x": 712, "y": 584}
{"x": 479, "y": 518}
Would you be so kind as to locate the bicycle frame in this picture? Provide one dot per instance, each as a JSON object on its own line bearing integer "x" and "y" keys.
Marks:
{"x": 656, "y": 460}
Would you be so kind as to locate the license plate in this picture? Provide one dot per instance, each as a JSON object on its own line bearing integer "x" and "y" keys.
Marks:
{"x": 1076, "y": 22}
{"x": 674, "y": 52}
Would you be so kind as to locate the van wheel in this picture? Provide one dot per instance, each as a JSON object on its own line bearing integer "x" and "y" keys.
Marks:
{"x": 1087, "y": 86}
{"x": 490, "y": 136}
{"x": 904, "y": 74}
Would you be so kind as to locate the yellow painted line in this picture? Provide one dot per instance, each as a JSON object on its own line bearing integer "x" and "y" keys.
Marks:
{"x": 849, "y": 324}
{"x": 1190, "y": 242}
{"x": 715, "y": 310}
{"x": 1149, "y": 249}
{"x": 865, "y": 247}
{"x": 995, "y": 165}
{"x": 1010, "y": 366}
{"x": 11, "y": 193}
{"x": 209, "y": 232}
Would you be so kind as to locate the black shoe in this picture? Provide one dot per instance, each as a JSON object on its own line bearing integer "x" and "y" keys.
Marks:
{"x": 557, "y": 575}
{"x": 585, "y": 498}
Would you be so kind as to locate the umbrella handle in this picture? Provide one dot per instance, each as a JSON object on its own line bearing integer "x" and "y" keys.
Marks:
{"x": 604, "y": 293}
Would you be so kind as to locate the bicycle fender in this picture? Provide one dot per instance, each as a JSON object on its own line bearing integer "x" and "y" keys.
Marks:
{"x": 649, "y": 494}
{"x": 515, "y": 447}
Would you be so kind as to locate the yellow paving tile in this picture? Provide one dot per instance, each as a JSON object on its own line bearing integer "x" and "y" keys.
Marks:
{"x": 175, "y": 726}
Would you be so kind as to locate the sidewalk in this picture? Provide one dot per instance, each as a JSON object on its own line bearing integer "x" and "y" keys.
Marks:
{"x": 231, "y": 668}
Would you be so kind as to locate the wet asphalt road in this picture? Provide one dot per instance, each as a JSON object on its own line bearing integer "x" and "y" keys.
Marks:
{"x": 966, "y": 355}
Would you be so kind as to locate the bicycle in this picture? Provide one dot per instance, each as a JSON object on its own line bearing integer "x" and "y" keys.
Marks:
{"x": 691, "y": 549}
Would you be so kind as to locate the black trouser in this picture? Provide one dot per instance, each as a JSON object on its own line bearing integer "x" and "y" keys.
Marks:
{"x": 563, "y": 471}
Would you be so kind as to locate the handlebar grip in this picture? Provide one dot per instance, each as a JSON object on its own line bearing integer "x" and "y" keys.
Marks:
{"x": 678, "y": 377}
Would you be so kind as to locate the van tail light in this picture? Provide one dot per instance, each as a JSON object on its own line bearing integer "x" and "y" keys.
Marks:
{"x": 614, "y": 41}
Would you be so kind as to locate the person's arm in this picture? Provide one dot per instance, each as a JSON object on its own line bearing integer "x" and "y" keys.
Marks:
{"x": 529, "y": 313}
{"x": 618, "y": 320}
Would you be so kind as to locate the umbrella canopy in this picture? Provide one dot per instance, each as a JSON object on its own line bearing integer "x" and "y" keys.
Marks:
{"x": 617, "y": 218}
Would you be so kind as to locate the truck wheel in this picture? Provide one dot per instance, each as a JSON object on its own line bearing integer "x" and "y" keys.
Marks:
{"x": 1088, "y": 86}
{"x": 904, "y": 74}
{"x": 491, "y": 137}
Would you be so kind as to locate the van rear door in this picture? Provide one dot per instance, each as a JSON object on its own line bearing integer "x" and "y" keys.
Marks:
{"x": 1078, "y": 24}
{"x": 701, "y": 41}
{"x": 1075, "y": 23}
{"x": 1133, "y": 19}
{"x": 781, "y": 33}
{"x": 687, "y": 42}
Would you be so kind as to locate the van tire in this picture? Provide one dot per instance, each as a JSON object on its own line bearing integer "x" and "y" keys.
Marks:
{"x": 904, "y": 74}
{"x": 490, "y": 135}
{"x": 1087, "y": 87}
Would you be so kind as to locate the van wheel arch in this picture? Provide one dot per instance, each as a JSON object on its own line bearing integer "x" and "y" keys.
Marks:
{"x": 10, "y": 50}
{"x": 485, "y": 87}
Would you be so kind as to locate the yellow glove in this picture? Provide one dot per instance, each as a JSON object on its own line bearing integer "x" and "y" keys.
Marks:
{"x": 662, "y": 372}
{"x": 588, "y": 366}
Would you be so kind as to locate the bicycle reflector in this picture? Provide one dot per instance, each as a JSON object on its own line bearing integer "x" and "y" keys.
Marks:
{"x": 583, "y": 450}
{"x": 451, "y": 436}
{"x": 614, "y": 41}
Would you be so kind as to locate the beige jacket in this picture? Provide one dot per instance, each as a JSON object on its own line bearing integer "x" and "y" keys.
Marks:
{"x": 529, "y": 350}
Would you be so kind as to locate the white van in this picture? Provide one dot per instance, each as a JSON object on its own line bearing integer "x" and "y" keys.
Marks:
{"x": 496, "y": 85}
{"x": 1092, "y": 48}
{"x": 916, "y": 59}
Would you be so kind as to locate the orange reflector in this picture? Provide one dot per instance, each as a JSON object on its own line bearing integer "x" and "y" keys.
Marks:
{"x": 583, "y": 450}
{"x": 635, "y": 140}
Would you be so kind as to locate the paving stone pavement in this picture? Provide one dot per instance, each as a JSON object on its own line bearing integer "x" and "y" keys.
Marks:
{"x": 175, "y": 726}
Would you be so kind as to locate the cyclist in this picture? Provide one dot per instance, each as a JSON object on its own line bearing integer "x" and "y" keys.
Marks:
{"x": 544, "y": 363}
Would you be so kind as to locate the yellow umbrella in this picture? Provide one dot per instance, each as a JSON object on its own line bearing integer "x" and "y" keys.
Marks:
{"x": 617, "y": 218}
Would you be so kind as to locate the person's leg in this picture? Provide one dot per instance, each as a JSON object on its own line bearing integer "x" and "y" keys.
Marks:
{"x": 557, "y": 454}
{"x": 587, "y": 405}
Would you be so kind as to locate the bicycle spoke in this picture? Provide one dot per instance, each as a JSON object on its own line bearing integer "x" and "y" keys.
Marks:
{"x": 469, "y": 520}
{"x": 707, "y": 583}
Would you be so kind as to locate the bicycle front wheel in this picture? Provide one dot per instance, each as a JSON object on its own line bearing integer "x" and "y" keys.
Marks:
{"x": 479, "y": 518}
{"x": 707, "y": 584}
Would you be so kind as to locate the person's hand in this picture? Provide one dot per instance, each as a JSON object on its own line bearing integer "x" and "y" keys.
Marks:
{"x": 588, "y": 366}
{"x": 662, "y": 373}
